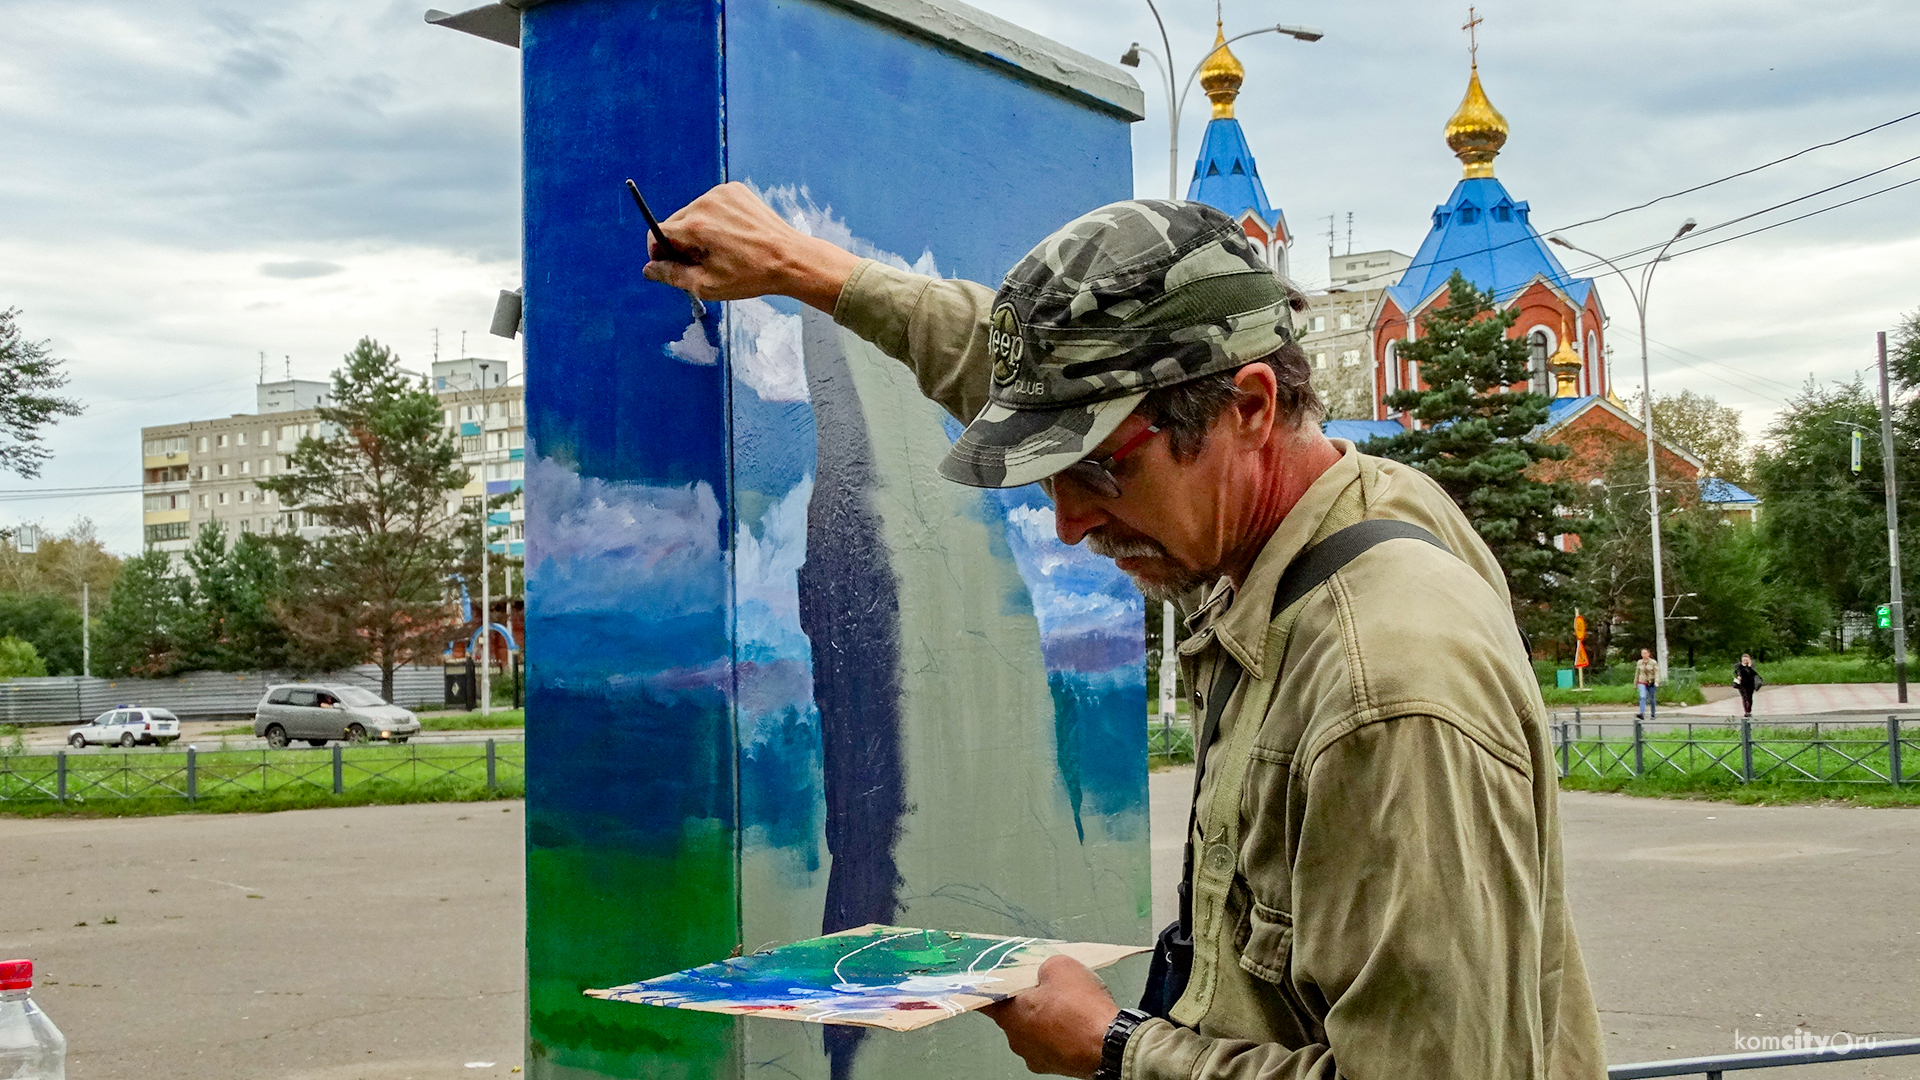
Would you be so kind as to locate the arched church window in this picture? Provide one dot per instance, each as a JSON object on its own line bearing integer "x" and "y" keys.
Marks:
{"x": 1539, "y": 347}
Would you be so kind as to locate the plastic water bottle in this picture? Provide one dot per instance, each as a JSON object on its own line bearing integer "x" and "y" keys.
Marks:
{"x": 31, "y": 1048}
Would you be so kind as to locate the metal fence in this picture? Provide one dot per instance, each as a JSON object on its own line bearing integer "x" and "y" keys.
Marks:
{"x": 1172, "y": 740}
{"x": 195, "y": 695}
{"x": 1713, "y": 1068}
{"x": 1820, "y": 752}
{"x": 197, "y": 774}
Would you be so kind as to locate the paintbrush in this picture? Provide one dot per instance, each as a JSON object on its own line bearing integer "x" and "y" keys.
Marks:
{"x": 666, "y": 250}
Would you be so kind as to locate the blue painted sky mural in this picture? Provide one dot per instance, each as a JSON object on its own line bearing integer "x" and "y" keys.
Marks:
{"x": 783, "y": 679}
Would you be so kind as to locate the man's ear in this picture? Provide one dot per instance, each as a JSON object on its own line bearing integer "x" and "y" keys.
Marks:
{"x": 1257, "y": 409}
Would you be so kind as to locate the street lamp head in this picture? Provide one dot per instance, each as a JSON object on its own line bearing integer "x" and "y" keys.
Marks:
{"x": 1301, "y": 33}
{"x": 1685, "y": 228}
{"x": 1556, "y": 238}
{"x": 1131, "y": 58}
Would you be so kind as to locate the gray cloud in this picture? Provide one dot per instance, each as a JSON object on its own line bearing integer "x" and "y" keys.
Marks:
{"x": 223, "y": 135}
{"x": 300, "y": 268}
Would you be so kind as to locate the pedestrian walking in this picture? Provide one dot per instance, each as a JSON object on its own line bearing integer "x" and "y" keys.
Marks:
{"x": 1646, "y": 677}
{"x": 1746, "y": 680}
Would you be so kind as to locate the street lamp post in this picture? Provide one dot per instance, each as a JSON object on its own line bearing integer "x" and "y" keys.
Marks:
{"x": 1646, "y": 418}
{"x": 1177, "y": 102}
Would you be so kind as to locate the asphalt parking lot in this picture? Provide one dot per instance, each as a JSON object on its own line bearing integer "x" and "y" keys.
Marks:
{"x": 383, "y": 943}
{"x": 363, "y": 943}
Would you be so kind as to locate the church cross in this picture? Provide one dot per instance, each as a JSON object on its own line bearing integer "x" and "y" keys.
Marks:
{"x": 1473, "y": 38}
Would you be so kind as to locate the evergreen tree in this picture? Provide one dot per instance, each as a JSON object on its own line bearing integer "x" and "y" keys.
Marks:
{"x": 1473, "y": 440}
{"x": 379, "y": 477}
{"x": 137, "y": 631}
{"x": 228, "y": 622}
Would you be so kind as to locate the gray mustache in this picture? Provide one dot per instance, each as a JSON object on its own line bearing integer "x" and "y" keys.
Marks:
{"x": 1112, "y": 548}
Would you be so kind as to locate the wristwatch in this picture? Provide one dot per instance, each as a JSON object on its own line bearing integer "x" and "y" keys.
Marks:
{"x": 1113, "y": 1047}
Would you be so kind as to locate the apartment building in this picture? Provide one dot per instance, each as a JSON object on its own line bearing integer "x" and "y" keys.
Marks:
{"x": 207, "y": 471}
{"x": 1334, "y": 330}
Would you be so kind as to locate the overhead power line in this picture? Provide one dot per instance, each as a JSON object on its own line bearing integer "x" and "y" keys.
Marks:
{"x": 1741, "y": 173}
{"x": 1674, "y": 195}
{"x": 1763, "y": 228}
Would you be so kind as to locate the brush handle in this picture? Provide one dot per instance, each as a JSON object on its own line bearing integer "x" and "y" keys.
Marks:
{"x": 668, "y": 250}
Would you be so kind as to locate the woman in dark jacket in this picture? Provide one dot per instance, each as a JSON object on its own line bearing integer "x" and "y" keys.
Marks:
{"x": 1746, "y": 680}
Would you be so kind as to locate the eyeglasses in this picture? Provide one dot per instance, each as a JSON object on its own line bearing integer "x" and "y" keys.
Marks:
{"x": 1096, "y": 474}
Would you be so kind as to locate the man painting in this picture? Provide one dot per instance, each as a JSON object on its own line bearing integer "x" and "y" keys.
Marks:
{"x": 1378, "y": 883}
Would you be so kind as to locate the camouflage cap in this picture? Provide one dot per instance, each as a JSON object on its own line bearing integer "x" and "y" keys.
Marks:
{"x": 1127, "y": 299}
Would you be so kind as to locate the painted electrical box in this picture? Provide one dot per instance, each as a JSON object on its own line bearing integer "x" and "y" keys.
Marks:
{"x": 784, "y": 679}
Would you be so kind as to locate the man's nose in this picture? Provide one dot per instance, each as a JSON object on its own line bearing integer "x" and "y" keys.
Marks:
{"x": 1076, "y": 512}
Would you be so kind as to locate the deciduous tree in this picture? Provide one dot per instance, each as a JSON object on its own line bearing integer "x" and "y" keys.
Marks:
{"x": 1704, "y": 426}
{"x": 29, "y": 375}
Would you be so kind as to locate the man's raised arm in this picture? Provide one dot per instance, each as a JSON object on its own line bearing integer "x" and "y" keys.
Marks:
{"x": 743, "y": 249}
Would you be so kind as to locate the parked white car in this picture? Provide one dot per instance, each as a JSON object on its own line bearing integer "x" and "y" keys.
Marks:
{"x": 128, "y": 725}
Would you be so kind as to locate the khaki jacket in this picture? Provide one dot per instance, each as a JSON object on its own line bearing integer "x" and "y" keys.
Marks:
{"x": 1379, "y": 884}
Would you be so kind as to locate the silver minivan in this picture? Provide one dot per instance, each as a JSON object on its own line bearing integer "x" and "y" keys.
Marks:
{"x": 318, "y": 712}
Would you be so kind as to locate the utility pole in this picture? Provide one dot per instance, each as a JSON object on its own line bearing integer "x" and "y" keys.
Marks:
{"x": 486, "y": 579}
{"x": 1893, "y": 528}
{"x": 86, "y": 638}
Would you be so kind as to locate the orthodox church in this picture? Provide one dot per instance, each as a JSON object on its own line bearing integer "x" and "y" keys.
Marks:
{"x": 1224, "y": 176}
{"x": 1487, "y": 235}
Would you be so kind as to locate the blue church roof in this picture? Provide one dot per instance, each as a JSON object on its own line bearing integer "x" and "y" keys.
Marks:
{"x": 1359, "y": 431}
{"x": 1725, "y": 492}
{"x": 1484, "y": 233}
{"x": 1225, "y": 178}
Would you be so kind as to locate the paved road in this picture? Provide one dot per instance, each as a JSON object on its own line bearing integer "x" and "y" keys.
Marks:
{"x": 364, "y": 943}
{"x": 384, "y": 942}
{"x": 1697, "y": 918}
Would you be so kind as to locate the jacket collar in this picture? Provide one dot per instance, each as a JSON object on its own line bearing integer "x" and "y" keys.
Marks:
{"x": 1239, "y": 617}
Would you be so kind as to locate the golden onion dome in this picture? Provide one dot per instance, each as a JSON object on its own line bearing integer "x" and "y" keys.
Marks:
{"x": 1565, "y": 365}
{"x": 1222, "y": 75}
{"x": 1477, "y": 131}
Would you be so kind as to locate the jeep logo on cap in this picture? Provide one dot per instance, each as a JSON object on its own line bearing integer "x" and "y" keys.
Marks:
{"x": 1004, "y": 344}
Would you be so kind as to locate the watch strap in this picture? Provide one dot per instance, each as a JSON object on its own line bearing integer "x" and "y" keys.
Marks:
{"x": 1113, "y": 1046}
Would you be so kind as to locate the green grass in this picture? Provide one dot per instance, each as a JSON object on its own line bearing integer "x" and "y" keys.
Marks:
{"x": 472, "y": 721}
{"x": 1755, "y": 794}
{"x": 1620, "y": 695}
{"x": 228, "y": 781}
{"x": 1828, "y": 668}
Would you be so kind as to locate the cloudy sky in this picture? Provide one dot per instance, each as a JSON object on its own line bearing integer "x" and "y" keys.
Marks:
{"x": 189, "y": 185}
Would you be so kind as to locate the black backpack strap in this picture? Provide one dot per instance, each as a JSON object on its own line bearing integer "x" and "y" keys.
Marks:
{"x": 1324, "y": 559}
{"x": 1309, "y": 570}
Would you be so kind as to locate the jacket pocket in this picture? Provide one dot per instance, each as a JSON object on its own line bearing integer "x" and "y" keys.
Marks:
{"x": 1268, "y": 948}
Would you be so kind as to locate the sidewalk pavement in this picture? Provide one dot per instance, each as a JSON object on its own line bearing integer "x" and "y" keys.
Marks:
{"x": 1807, "y": 700}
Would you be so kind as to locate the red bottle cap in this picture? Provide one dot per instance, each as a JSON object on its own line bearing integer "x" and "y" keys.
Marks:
{"x": 16, "y": 974}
